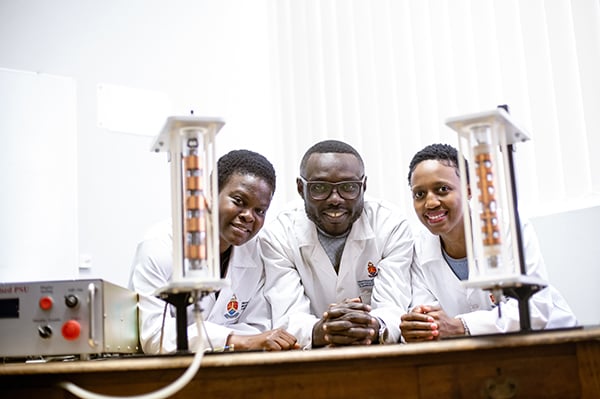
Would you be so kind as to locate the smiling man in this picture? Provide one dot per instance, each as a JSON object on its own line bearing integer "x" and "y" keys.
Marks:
{"x": 323, "y": 259}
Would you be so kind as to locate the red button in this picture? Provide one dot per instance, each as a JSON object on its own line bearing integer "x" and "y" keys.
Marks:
{"x": 71, "y": 330}
{"x": 46, "y": 302}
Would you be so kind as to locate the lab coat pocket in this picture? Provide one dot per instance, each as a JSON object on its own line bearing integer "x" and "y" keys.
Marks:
{"x": 365, "y": 287}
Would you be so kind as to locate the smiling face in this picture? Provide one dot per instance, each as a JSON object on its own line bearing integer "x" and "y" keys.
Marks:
{"x": 437, "y": 199}
{"x": 243, "y": 204}
{"x": 334, "y": 215}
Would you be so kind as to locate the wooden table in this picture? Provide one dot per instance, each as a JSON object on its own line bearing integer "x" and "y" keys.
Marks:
{"x": 552, "y": 364}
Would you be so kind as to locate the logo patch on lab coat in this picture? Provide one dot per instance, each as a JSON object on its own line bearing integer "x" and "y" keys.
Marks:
{"x": 371, "y": 269}
{"x": 233, "y": 308}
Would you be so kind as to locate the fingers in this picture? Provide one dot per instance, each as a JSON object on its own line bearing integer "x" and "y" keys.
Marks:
{"x": 338, "y": 310}
{"x": 437, "y": 314}
{"x": 416, "y": 317}
{"x": 279, "y": 339}
{"x": 430, "y": 308}
{"x": 352, "y": 304}
{"x": 284, "y": 339}
{"x": 348, "y": 323}
{"x": 350, "y": 336}
{"x": 425, "y": 308}
{"x": 418, "y": 327}
{"x": 417, "y": 309}
{"x": 357, "y": 328}
{"x": 420, "y": 336}
{"x": 280, "y": 343}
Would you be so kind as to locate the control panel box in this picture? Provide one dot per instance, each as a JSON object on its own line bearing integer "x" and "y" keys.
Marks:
{"x": 70, "y": 317}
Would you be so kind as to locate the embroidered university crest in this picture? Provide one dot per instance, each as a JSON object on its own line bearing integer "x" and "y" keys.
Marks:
{"x": 233, "y": 307}
{"x": 371, "y": 269}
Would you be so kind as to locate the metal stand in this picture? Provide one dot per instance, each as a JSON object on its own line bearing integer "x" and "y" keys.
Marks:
{"x": 181, "y": 301}
{"x": 181, "y": 298}
{"x": 183, "y": 294}
{"x": 526, "y": 291}
{"x": 522, "y": 294}
{"x": 521, "y": 288}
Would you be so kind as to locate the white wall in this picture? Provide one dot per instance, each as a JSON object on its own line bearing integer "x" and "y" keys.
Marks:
{"x": 569, "y": 243}
{"x": 206, "y": 56}
{"x": 209, "y": 56}
{"x": 38, "y": 160}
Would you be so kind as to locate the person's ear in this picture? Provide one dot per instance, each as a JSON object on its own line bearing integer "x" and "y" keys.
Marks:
{"x": 300, "y": 187}
{"x": 365, "y": 184}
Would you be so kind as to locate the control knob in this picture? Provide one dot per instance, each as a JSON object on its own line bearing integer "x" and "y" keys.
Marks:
{"x": 71, "y": 301}
{"x": 45, "y": 331}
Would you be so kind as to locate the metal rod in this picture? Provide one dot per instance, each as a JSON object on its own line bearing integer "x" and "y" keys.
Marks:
{"x": 522, "y": 294}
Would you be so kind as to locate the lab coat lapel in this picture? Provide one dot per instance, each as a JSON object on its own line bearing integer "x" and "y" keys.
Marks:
{"x": 437, "y": 270}
{"x": 242, "y": 270}
{"x": 356, "y": 243}
{"x": 354, "y": 280}
{"x": 311, "y": 251}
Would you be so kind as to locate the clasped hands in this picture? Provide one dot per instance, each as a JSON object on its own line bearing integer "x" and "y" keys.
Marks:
{"x": 346, "y": 323}
{"x": 428, "y": 323}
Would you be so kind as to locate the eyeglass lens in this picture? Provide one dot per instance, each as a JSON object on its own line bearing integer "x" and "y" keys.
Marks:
{"x": 346, "y": 189}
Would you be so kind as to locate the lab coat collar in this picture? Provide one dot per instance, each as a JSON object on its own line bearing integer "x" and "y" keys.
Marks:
{"x": 429, "y": 248}
{"x": 243, "y": 256}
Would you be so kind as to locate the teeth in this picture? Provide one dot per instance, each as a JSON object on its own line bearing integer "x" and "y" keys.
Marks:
{"x": 334, "y": 214}
{"x": 435, "y": 217}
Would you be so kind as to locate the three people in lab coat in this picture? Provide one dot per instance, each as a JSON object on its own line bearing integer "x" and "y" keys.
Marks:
{"x": 340, "y": 268}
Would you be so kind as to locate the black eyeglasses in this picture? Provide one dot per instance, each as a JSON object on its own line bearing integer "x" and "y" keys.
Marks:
{"x": 320, "y": 190}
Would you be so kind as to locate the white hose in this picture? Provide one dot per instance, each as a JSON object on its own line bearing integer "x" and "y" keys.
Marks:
{"x": 164, "y": 392}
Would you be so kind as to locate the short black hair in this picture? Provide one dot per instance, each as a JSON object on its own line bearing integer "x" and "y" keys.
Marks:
{"x": 245, "y": 162}
{"x": 444, "y": 153}
{"x": 326, "y": 146}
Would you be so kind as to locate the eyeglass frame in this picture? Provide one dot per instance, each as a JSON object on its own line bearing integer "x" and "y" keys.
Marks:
{"x": 334, "y": 186}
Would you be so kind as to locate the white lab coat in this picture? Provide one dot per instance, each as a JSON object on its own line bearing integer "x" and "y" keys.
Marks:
{"x": 434, "y": 282}
{"x": 300, "y": 280}
{"x": 152, "y": 269}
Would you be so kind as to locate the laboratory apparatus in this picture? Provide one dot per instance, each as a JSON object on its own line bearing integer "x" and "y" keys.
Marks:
{"x": 190, "y": 143}
{"x": 495, "y": 254}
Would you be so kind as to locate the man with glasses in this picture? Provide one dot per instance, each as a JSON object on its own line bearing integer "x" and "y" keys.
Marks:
{"x": 324, "y": 261}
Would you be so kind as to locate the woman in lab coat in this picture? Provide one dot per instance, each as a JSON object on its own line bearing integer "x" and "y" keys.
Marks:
{"x": 441, "y": 305}
{"x": 238, "y": 316}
